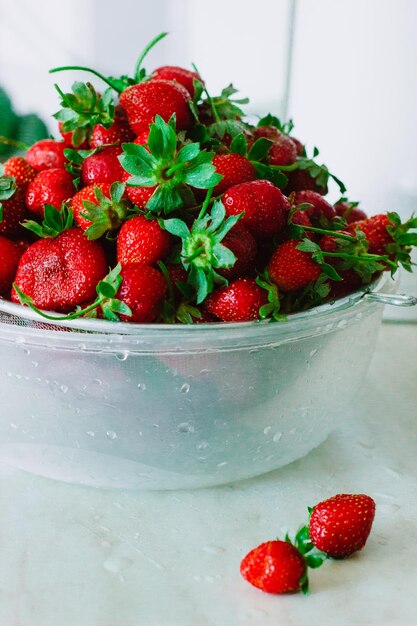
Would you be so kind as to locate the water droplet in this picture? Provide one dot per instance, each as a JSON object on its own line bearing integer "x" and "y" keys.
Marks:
{"x": 222, "y": 464}
{"x": 26, "y": 351}
{"x": 9, "y": 374}
{"x": 267, "y": 430}
{"x": 141, "y": 387}
{"x": 313, "y": 352}
{"x": 111, "y": 434}
{"x": 202, "y": 445}
{"x": 393, "y": 472}
{"x": 64, "y": 388}
{"x": 122, "y": 356}
{"x": 185, "y": 388}
{"x": 204, "y": 372}
{"x": 97, "y": 381}
{"x": 14, "y": 426}
{"x": 91, "y": 433}
{"x": 342, "y": 324}
{"x": 35, "y": 363}
{"x": 277, "y": 437}
{"x": 185, "y": 427}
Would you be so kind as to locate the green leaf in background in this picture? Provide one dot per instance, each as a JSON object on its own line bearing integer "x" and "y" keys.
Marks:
{"x": 24, "y": 129}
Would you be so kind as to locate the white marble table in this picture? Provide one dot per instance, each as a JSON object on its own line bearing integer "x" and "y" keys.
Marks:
{"x": 72, "y": 556}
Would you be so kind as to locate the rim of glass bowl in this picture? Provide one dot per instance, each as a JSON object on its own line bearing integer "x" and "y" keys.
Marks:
{"x": 88, "y": 334}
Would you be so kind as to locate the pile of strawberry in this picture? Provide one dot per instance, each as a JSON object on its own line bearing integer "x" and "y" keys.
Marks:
{"x": 162, "y": 203}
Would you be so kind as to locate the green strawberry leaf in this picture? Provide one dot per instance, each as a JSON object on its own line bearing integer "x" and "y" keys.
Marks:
{"x": 260, "y": 149}
{"x": 54, "y": 222}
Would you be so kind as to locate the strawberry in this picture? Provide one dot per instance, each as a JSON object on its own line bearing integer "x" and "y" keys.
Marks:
{"x": 99, "y": 208}
{"x": 142, "y": 240}
{"x": 46, "y": 154}
{"x": 118, "y": 132}
{"x": 243, "y": 245}
{"x": 321, "y": 208}
{"x": 292, "y": 269}
{"x": 300, "y": 180}
{"x": 235, "y": 169}
{"x": 144, "y": 101}
{"x": 70, "y": 141}
{"x": 182, "y": 76}
{"x": 102, "y": 167}
{"x": 341, "y": 525}
{"x": 375, "y": 230}
{"x": 143, "y": 289}
{"x": 60, "y": 273}
{"x": 20, "y": 170}
{"x": 275, "y": 567}
{"x": 239, "y": 301}
{"x": 269, "y": 132}
{"x": 10, "y": 254}
{"x": 52, "y": 186}
{"x": 138, "y": 195}
{"x": 351, "y": 281}
{"x": 283, "y": 151}
{"x": 349, "y": 211}
{"x": 265, "y": 207}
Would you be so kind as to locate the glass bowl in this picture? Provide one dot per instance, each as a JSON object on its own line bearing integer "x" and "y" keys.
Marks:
{"x": 165, "y": 407}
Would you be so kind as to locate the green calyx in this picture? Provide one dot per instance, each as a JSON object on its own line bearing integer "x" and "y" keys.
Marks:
{"x": 106, "y": 291}
{"x": 403, "y": 239}
{"x": 271, "y": 310}
{"x": 83, "y": 108}
{"x": 173, "y": 311}
{"x": 202, "y": 251}
{"x": 8, "y": 188}
{"x": 271, "y": 120}
{"x": 257, "y": 155}
{"x": 75, "y": 160}
{"x": 54, "y": 222}
{"x": 169, "y": 168}
{"x": 224, "y": 113}
{"x": 313, "y": 558}
{"x": 107, "y": 214}
{"x": 320, "y": 173}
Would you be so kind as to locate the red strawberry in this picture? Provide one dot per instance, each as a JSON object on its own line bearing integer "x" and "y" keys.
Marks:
{"x": 142, "y": 138}
{"x": 321, "y": 208}
{"x": 182, "y": 76}
{"x": 10, "y": 254}
{"x": 329, "y": 243}
{"x": 46, "y": 154}
{"x": 283, "y": 151}
{"x": 52, "y": 186}
{"x": 21, "y": 170}
{"x": 350, "y": 283}
{"x": 143, "y": 290}
{"x": 341, "y": 525}
{"x": 243, "y": 245}
{"x": 234, "y": 168}
{"x": 102, "y": 167}
{"x": 292, "y": 269}
{"x": 142, "y": 240}
{"x": 349, "y": 211}
{"x": 274, "y": 567}
{"x": 13, "y": 212}
{"x": 138, "y": 195}
{"x": 144, "y": 101}
{"x": 298, "y": 146}
{"x": 118, "y": 132}
{"x": 240, "y": 301}
{"x": 107, "y": 214}
{"x": 301, "y": 219}
{"x": 265, "y": 207}
{"x": 375, "y": 229}
{"x": 61, "y": 273}
{"x": 300, "y": 180}
{"x": 269, "y": 132}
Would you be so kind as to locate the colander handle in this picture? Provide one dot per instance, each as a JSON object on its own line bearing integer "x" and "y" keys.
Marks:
{"x": 391, "y": 298}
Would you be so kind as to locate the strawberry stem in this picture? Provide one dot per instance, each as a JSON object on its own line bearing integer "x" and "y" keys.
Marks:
{"x": 332, "y": 233}
{"x": 205, "y": 203}
{"x": 7, "y": 141}
{"x": 137, "y": 73}
{"x": 81, "y": 68}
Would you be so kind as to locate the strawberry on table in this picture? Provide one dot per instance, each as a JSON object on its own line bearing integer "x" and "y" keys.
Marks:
{"x": 275, "y": 567}
{"x": 341, "y": 525}
{"x": 52, "y": 186}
